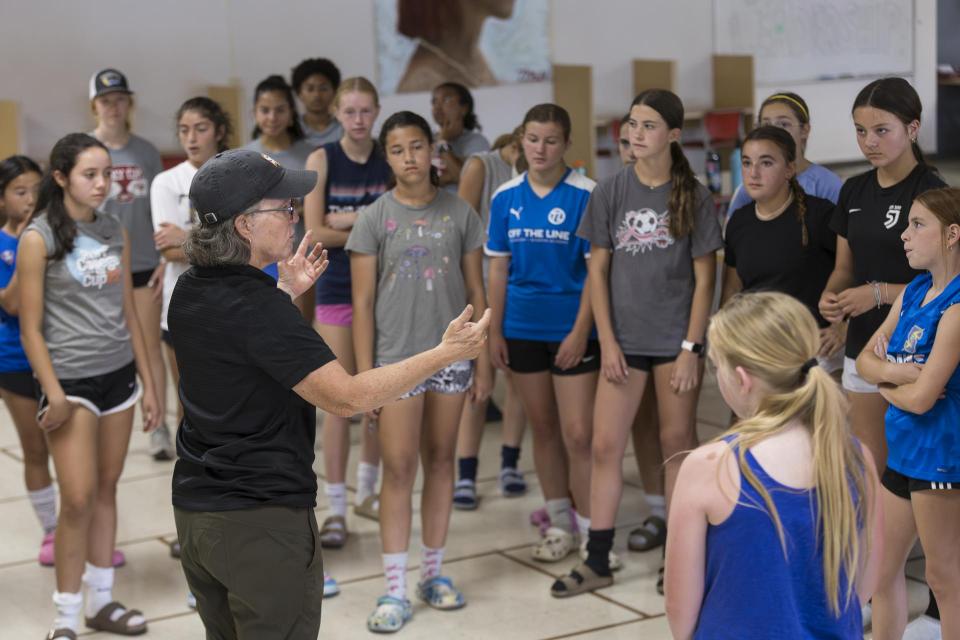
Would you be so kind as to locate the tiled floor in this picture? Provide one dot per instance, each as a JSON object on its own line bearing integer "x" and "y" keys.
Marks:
{"x": 487, "y": 554}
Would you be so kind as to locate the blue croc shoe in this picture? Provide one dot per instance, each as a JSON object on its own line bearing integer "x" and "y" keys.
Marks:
{"x": 390, "y": 615}
{"x": 330, "y": 586}
{"x": 439, "y": 593}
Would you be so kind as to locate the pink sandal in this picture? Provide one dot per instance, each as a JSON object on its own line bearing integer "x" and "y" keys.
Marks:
{"x": 46, "y": 555}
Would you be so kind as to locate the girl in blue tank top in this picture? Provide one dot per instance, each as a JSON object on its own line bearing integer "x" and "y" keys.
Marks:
{"x": 917, "y": 371}
{"x": 772, "y": 528}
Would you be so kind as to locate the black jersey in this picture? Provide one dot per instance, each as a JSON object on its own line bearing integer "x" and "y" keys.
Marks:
{"x": 872, "y": 218}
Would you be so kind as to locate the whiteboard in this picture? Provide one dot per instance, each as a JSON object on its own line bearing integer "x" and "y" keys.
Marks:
{"x": 795, "y": 41}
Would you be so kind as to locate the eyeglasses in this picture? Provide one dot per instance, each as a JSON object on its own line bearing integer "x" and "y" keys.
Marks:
{"x": 290, "y": 209}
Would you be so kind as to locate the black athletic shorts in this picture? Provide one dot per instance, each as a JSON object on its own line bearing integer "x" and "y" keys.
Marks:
{"x": 141, "y": 278}
{"x": 647, "y": 363}
{"x": 902, "y": 486}
{"x": 19, "y": 382}
{"x": 102, "y": 395}
{"x": 534, "y": 356}
{"x": 166, "y": 338}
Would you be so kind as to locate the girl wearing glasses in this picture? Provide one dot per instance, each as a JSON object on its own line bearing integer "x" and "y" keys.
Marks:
{"x": 80, "y": 332}
{"x": 414, "y": 262}
{"x": 790, "y": 112}
{"x": 353, "y": 173}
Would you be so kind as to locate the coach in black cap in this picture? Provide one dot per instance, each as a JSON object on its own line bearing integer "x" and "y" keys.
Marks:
{"x": 252, "y": 371}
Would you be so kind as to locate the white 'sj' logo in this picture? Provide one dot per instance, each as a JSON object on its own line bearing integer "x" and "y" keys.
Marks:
{"x": 556, "y": 216}
{"x": 893, "y": 214}
{"x": 516, "y": 212}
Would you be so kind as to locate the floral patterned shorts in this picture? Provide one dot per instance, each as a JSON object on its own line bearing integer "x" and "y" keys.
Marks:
{"x": 451, "y": 380}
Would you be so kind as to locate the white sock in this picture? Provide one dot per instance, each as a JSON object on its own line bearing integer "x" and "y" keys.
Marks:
{"x": 98, "y": 593}
{"x": 337, "y": 497}
{"x": 68, "y": 610}
{"x": 44, "y": 503}
{"x": 657, "y": 504}
{"x": 395, "y": 570}
{"x": 367, "y": 475}
{"x": 430, "y": 562}
{"x": 583, "y": 524}
{"x": 559, "y": 512}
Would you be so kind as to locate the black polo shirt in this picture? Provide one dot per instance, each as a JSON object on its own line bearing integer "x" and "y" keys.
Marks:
{"x": 246, "y": 439}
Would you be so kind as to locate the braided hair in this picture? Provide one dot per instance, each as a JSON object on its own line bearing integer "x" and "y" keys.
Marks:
{"x": 788, "y": 147}
{"x": 683, "y": 192}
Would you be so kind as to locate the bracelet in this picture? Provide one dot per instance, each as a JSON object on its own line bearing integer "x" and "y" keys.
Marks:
{"x": 876, "y": 293}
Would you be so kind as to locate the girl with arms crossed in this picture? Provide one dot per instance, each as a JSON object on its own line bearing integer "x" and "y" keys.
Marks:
{"x": 352, "y": 173}
{"x": 913, "y": 358}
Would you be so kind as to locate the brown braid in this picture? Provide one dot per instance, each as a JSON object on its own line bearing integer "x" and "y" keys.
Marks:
{"x": 683, "y": 193}
{"x": 800, "y": 197}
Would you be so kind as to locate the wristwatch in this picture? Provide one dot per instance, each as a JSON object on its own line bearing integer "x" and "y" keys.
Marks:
{"x": 692, "y": 347}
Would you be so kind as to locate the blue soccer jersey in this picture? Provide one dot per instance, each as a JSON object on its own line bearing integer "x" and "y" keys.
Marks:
{"x": 12, "y": 357}
{"x": 925, "y": 447}
{"x": 548, "y": 264}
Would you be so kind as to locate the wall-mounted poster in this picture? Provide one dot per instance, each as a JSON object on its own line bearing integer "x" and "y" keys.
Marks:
{"x": 421, "y": 43}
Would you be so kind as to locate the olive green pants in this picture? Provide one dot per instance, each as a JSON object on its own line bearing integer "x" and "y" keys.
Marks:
{"x": 256, "y": 573}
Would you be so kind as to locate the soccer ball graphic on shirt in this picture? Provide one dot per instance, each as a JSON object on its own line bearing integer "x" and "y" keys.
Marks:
{"x": 643, "y": 230}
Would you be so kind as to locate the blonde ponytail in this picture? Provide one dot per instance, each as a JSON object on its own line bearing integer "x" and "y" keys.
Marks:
{"x": 773, "y": 336}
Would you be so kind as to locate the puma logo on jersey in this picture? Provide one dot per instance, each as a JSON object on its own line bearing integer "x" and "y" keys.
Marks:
{"x": 893, "y": 215}
{"x": 516, "y": 212}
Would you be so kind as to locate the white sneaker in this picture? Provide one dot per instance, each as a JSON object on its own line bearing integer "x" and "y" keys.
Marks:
{"x": 923, "y": 628}
{"x": 160, "y": 446}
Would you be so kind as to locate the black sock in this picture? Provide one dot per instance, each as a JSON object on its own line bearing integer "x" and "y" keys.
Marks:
{"x": 599, "y": 545}
{"x": 509, "y": 456}
{"x": 932, "y": 609}
{"x": 468, "y": 468}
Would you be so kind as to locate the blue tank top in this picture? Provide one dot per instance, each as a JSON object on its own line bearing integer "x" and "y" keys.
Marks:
{"x": 925, "y": 447}
{"x": 350, "y": 187}
{"x": 12, "y": 357}
{"x": 751, "y": 590}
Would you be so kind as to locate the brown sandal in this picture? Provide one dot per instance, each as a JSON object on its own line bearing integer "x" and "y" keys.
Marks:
{"x": 369, "y": 508}
{"x": 333, "y": 533}
{"x": 121, "y": 626}
{"x": 580, "y": 580}
{"x": 64, "y": 633}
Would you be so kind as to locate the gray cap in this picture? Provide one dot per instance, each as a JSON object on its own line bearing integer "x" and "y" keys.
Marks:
{"x": 231, "y": 182}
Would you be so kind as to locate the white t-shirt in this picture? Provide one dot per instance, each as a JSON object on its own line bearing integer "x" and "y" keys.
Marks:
{"x": 170, "y": 202}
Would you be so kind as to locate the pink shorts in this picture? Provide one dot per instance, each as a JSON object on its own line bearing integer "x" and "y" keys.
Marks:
{"x": 339, "y": 315}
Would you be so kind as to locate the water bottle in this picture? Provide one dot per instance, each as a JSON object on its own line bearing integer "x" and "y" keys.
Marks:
{"x": 714, "y": 180}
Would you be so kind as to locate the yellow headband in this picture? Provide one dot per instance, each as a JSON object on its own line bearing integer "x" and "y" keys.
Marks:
{"x": 781, "y": 96}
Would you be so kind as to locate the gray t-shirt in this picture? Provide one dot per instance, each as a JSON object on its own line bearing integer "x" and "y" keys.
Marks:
{"x": 293, "y": 157}
{"x": 332, "y": 133}
{"x": 134, "y": 168}
{"x": 495, "y": 173}
{"x": 420, "y": 286}
{"x": 465, "y": 145}
{"x": 651, "y": 272}
{"x": 83, "y": 322}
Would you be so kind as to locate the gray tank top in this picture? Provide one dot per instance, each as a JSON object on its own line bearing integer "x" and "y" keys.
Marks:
{"x": 83, "y": 322}
{"x": 496, "y": 172}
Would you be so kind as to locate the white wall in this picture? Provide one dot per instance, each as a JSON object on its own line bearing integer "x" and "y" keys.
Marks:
{"x": 832, "y": 137}
{"x": 171, "y": 50}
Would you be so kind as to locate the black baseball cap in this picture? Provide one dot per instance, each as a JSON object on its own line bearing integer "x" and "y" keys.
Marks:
{"x": 232, "y": 181}
{"x": 108, "y": 81}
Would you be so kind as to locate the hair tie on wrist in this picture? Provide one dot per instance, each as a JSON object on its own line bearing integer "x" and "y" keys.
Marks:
{"x": 809, "y": 364}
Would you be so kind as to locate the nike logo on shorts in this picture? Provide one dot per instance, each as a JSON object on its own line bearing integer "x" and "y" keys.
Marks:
{"x": 587, "y": 358}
